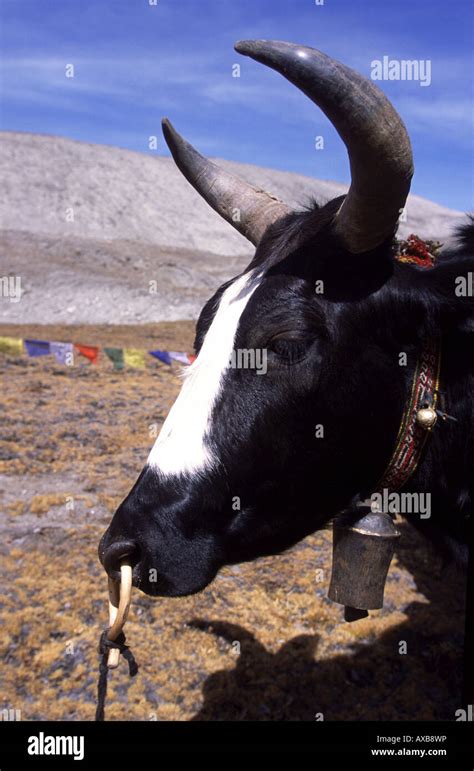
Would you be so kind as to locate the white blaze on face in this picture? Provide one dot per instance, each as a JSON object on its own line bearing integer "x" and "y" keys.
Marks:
{"x": 181, "y": 445}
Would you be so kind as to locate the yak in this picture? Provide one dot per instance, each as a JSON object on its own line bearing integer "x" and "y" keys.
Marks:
{"x": 249, "y": 463}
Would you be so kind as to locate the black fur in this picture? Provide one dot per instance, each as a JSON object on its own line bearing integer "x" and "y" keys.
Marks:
{"x": 333, "y": 360}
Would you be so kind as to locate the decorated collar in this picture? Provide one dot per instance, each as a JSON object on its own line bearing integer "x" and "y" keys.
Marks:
{"x": 420, "y": 414}
{"x": 419, "y": 417}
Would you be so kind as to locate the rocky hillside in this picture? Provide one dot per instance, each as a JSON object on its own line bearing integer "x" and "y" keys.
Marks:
{"x": 104, "y": 235}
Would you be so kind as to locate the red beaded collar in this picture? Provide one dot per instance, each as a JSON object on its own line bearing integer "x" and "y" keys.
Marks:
{"x": 420, "y": 413}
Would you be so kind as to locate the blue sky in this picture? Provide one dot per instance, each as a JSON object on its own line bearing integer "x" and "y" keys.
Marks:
{"x": 135, "y": 62}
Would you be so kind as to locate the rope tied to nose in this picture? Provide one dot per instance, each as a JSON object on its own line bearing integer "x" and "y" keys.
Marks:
{"x": 112, "y": 640}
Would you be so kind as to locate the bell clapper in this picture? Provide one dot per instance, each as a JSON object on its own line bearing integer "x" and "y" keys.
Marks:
{"x": 354, "y": 614}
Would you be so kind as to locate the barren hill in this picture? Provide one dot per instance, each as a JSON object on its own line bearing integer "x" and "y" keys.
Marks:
{"x": 99, "y": 234}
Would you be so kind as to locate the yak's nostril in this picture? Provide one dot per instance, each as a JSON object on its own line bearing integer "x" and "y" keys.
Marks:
{"x": 115, "y": 552}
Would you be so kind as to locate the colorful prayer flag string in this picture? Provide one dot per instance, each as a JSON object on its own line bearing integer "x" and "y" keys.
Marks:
{"x": 64, "y": 353}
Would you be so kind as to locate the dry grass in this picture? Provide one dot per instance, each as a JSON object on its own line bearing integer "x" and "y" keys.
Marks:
{"x": 262, "y": 642}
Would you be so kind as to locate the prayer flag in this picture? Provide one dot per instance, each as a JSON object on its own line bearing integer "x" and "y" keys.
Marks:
{"x": 134, "y": 357}
{"x": 115, "y": 355}
{"x": 89, "y": 351}
{"x": 11, "y": 345}
{"x": 179, "y": 356}
{"x": 37, "y": 347}
{"x": 64, "y": 353}
{"x": 161, "y": 355}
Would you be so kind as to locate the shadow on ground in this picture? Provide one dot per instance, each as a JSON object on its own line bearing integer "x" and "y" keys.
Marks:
{"x": 375, "y": 681}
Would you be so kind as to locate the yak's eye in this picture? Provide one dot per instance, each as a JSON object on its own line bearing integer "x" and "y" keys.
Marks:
{"x": 291, "y": 350}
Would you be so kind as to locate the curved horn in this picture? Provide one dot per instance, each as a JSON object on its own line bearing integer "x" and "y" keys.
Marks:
{"x": 249, "y": 209}
{"x": 375, "y": 137}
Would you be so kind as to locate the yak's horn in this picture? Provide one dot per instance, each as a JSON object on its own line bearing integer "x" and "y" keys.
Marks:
{"x": 376, "y": 139}
{"x": 249, "y": 209}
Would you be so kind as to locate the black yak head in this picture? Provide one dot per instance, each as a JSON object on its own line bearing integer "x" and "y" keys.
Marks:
{"x": 292, "y": 405}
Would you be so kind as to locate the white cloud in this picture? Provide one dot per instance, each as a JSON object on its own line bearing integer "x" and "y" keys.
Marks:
{"x": 439, "y": 114}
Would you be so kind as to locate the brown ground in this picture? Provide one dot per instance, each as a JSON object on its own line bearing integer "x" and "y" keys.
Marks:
{"x": 262, "y": 642}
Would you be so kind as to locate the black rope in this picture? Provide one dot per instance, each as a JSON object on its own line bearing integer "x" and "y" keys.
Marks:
{"x": 104, "y": 647}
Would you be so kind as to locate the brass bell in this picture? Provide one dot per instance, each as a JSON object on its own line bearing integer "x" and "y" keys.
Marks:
{"x": 426, "y": 417}
{"x": 363, "y": 547}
